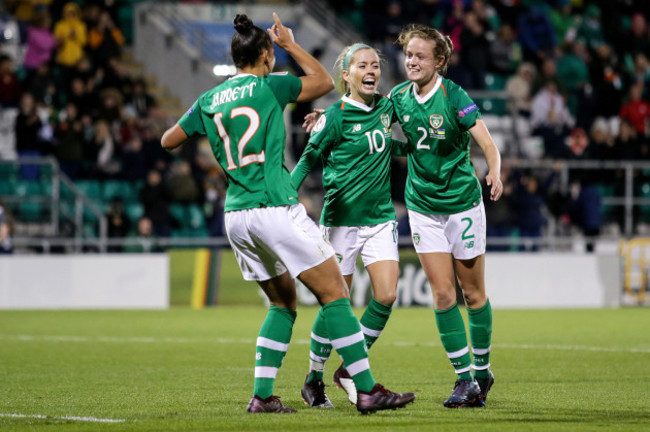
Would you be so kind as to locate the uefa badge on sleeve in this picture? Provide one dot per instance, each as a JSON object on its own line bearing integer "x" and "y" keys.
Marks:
{"x": 320, "y": 124}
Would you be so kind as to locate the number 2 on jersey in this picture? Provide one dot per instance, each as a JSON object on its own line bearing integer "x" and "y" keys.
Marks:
{"x": 254, "y": 124}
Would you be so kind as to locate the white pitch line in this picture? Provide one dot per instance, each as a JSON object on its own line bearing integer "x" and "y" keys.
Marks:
{"x": 47, "y": 417}
{"x": 109, "y": 339}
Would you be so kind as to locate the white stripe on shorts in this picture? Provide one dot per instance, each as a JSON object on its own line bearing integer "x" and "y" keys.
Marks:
{"x": 347, "y": 340}
{"x": 481, "y": 351}
{"x": 458, "y": 353}
{"x": 370, "y": 332}
{"x": 358, "y": 367}
{"x": 271, "y": 344}
{"x": 265, "y": 372}
{"x": 319, "y": 339}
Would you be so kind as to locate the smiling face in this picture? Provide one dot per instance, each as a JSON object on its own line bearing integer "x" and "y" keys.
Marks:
{"x": 363, "y": 75}
{"x": 421, "y": 66}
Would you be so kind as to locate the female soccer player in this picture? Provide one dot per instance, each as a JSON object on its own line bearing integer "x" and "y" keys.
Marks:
{"x": 443, "y": 198}
{"x": 353, "y": 139}
{"x": 270, "y": 233}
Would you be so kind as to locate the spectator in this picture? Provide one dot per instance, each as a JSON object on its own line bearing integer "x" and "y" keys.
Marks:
{"x": 636, "y": 110}
{"x": 608, "y": 83}
{"x": 519, "y": 88}
{"x": 6, "y": 229}
{"x": 536, "y": 34}
{"x": 629, "y": 145}
{"x": 40, "y": 43}
{"x": 105, "y": 40}
{"x": 102, "y": 151}
{"x": 69, "y": 136}
{"x": 28, "y": 143}
{"x": 72, "y": 37}
{"x": 181, "y": 185}
{"x": 550, "y": 119}
{"x": 590, "y": 29}
{"x": 119, "y": 225}
{"x": 145, "y": 237}
{"x": 500, "y": 214}
{"x": 140, "y": 101}
{"x": 474, "y": 55}
{"x": 134, "y": 160}
{"x": 41, "y": 84}
{"x": 573, "y": 73}
{"x": 505, "y": 51}
{"x": 530, "y": 202}
{"x": 214, "y": 189}
{"x": 155, "y": 200}
{"x": 565, "y": 23}
{"x": 10, "y": 88}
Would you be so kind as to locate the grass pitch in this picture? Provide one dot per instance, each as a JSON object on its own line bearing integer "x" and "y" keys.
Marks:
{"x": 186, "y": 370}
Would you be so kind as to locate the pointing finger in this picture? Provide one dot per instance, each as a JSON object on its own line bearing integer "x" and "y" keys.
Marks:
{"x": 276, "y": 18}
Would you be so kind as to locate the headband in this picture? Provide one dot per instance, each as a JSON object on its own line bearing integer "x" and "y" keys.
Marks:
{"x": 354, "y": 48}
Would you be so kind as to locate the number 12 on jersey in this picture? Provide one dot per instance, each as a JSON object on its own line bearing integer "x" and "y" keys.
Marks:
{"x": 253, "y": 126}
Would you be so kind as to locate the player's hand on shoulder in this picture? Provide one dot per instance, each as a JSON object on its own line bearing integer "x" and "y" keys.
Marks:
{"x": 311, "y": 119}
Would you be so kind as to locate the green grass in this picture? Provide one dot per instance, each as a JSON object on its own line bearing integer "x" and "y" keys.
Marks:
{"x": 187, "y": 370}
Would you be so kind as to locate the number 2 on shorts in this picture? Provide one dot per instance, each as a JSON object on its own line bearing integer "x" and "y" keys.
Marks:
{"x": 469, "y": 225}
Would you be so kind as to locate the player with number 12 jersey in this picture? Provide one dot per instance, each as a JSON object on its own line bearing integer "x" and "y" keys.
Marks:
{"x": 247, "y": 110}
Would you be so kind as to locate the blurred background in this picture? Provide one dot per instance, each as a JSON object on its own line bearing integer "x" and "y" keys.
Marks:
{"x": 87, "y": 87}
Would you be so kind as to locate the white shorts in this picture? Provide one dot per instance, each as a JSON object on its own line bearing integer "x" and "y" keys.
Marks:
{"x": 374, "y": 242}
{"x": 271, "y": 240}
{"x": 461, "y": 234}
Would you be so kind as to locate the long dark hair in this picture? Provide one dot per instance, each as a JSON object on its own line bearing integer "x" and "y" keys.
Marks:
{"x": 249, "y": 42}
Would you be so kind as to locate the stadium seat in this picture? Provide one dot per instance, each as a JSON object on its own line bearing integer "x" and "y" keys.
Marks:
{"x": 118, "y": 188}
{"x": 30, "y": 211}
{"x": 196, "y": 219}
{"x": 26, "y": 188}
{"x": 91, "y": 188}
{"x": 134, "y": 211}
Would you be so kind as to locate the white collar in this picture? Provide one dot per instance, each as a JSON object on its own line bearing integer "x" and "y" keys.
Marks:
{"x": 358, "y": 104}
{"x": 430, "y": 94}
{"x": 240, "y": 75}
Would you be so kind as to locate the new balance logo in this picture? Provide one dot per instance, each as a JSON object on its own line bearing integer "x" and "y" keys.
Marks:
{"x": 356, "y": 127}
{"x": 469, "y": 245}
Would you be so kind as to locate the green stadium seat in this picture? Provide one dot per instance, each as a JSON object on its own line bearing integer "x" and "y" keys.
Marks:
{"x": 8, "y": 171}
{"x": 178, "y": 213}
{"x": 6, "y": 187}
{"x": 196, "y": 219}
{"x": 27, "y": 188}
{"x": 118, "y": 188}
{"x": 91, "y": 188}
{"x": 134, "y": 211}
{"x": 30, "y": 211}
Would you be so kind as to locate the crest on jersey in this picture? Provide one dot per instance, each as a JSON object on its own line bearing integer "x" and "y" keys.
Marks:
{"x": 436, "y": 120}
{"x": 385, "y": 120}
{"x": 320, "y": 124}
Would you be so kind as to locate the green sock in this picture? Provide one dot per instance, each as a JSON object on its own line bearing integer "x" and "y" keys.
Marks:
{"x": 346, "y": 337}
{"x": 374, "y": 320}
{"x": 272, "y": 345}
{"x": 454, "y": 340}
{"x": 320, "y": 348}
{"x": 480, "y": 332}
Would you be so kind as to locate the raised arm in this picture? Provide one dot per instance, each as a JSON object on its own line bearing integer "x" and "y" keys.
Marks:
{"x": 317, "y": 82}
{"x": 483, "y": 138}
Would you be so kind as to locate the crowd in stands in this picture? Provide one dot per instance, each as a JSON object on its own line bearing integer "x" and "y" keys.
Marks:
{"x": 66, "y": 92}
{"x": 577, "y": 71}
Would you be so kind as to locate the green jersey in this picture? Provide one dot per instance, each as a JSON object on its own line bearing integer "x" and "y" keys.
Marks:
{"x": 242, "y": 118}
{"x": 441, "y": 177}
{"x": 354, "y": 143}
